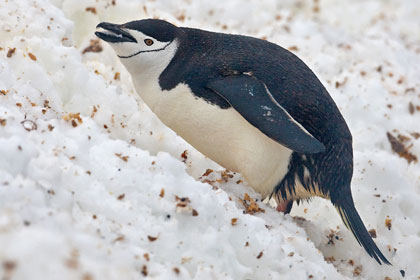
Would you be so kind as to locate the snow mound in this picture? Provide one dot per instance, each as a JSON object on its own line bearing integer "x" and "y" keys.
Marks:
{"x": 93, "y": 186}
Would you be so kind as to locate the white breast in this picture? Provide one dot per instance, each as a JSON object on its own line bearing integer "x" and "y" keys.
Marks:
{"x": 221, "y": 134}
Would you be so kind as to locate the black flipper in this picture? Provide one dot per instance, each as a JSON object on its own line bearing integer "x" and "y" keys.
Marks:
{"x": 252, "y": 99}
{"x": 353, "y": 222}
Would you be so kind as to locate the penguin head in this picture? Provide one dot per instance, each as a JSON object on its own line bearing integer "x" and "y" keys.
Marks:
{"x": 141, "y": 43}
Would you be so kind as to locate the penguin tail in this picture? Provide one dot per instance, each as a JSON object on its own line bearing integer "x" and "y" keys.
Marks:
{"x": 353, "y": 222}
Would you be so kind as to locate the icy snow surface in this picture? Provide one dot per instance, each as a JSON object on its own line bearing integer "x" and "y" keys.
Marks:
{"x": 89, "y": 176}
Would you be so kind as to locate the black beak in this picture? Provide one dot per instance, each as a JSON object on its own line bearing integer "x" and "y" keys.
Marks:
{"x": 115, "y": 34}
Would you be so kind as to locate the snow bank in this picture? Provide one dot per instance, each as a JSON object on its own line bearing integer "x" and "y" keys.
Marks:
{"x": 93, "y": 186}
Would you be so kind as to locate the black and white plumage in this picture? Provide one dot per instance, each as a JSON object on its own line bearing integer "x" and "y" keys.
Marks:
{"x": 248, "y": 104}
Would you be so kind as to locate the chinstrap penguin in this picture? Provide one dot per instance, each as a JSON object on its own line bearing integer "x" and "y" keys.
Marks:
{"x": 249, "y": 105}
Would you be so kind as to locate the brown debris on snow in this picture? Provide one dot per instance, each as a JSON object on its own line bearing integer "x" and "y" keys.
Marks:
{"x": 251, "y": 207}
{"x": 95, "y": 46}
{"x": 398, "y": 146}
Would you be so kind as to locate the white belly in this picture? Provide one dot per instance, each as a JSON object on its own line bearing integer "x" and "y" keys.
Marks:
{"x": 221, "y": 134}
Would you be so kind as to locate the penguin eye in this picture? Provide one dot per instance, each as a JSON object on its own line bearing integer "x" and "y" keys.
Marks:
{"x": 148, "y": 42}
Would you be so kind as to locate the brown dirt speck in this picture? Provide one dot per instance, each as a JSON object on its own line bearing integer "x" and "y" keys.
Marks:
{"x": 411, "y": 108}
{"x": 11, "y": 52}
{"x": 123, "y": 158}
{"x": 293, "y": 48}
{"x": 181, "y": 17}
{"x": 87, "y": 276}
{"x": 400, "y": 80}
{"x": 184, "y": 156}
{"x": 94, "y": 46}
{"x": 94, "y": 110}
{"x": 332, "y": 237}
{"x": 74, "y": 119}
{"x": 182, "y": 201}
{"x": 372, "y": 233}
{"x": 29, "y": 125}
{"x": 226, "y": 175}
{"x": 329, "y": 259}
{"x": 152, "y": 238}
{"x": 357, "y": 270}
{"x": 144, "y": 270}
{"x": 91, "y": 9}
{"x": 388, "y": 223}
{"x": 119, "y": 238}
{"x": 251, "y": 207}
{"x": 9, "y": 266}
{"x": 194, "y": 212}
{"x": 207, "y": 173}
{"x": 397, "y": 145}
{"x": 416, "y": 135}
{"x": 260, "y": 255}
{"x": 339, "y": 84}
{"x": 73, "y": 261}
{"x": 32, "y": 56}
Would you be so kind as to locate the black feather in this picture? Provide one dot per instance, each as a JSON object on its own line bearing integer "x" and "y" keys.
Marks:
{"x": 353, "y": 222}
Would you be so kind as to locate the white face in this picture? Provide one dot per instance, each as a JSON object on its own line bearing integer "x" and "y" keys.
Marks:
{"x": 145, "y": 44}
{"x": 146, "y": 55}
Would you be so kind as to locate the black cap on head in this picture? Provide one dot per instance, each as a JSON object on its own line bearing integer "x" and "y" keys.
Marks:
{"x": 156, "y": 28}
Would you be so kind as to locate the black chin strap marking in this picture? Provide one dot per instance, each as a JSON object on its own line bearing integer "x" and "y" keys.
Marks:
{"x": 139, "y": 52}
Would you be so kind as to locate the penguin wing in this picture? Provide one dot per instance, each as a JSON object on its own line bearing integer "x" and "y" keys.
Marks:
{"x": 252, "y": 99}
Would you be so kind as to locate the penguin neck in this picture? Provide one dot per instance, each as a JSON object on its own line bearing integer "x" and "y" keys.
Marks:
{"x": 145, "y": 70}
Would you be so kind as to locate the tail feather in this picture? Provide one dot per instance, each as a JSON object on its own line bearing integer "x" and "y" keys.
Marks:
{"x": 353, "y": 222}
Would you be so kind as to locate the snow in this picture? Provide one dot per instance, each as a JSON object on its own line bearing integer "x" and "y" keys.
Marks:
{"x": 89, "y": 177}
